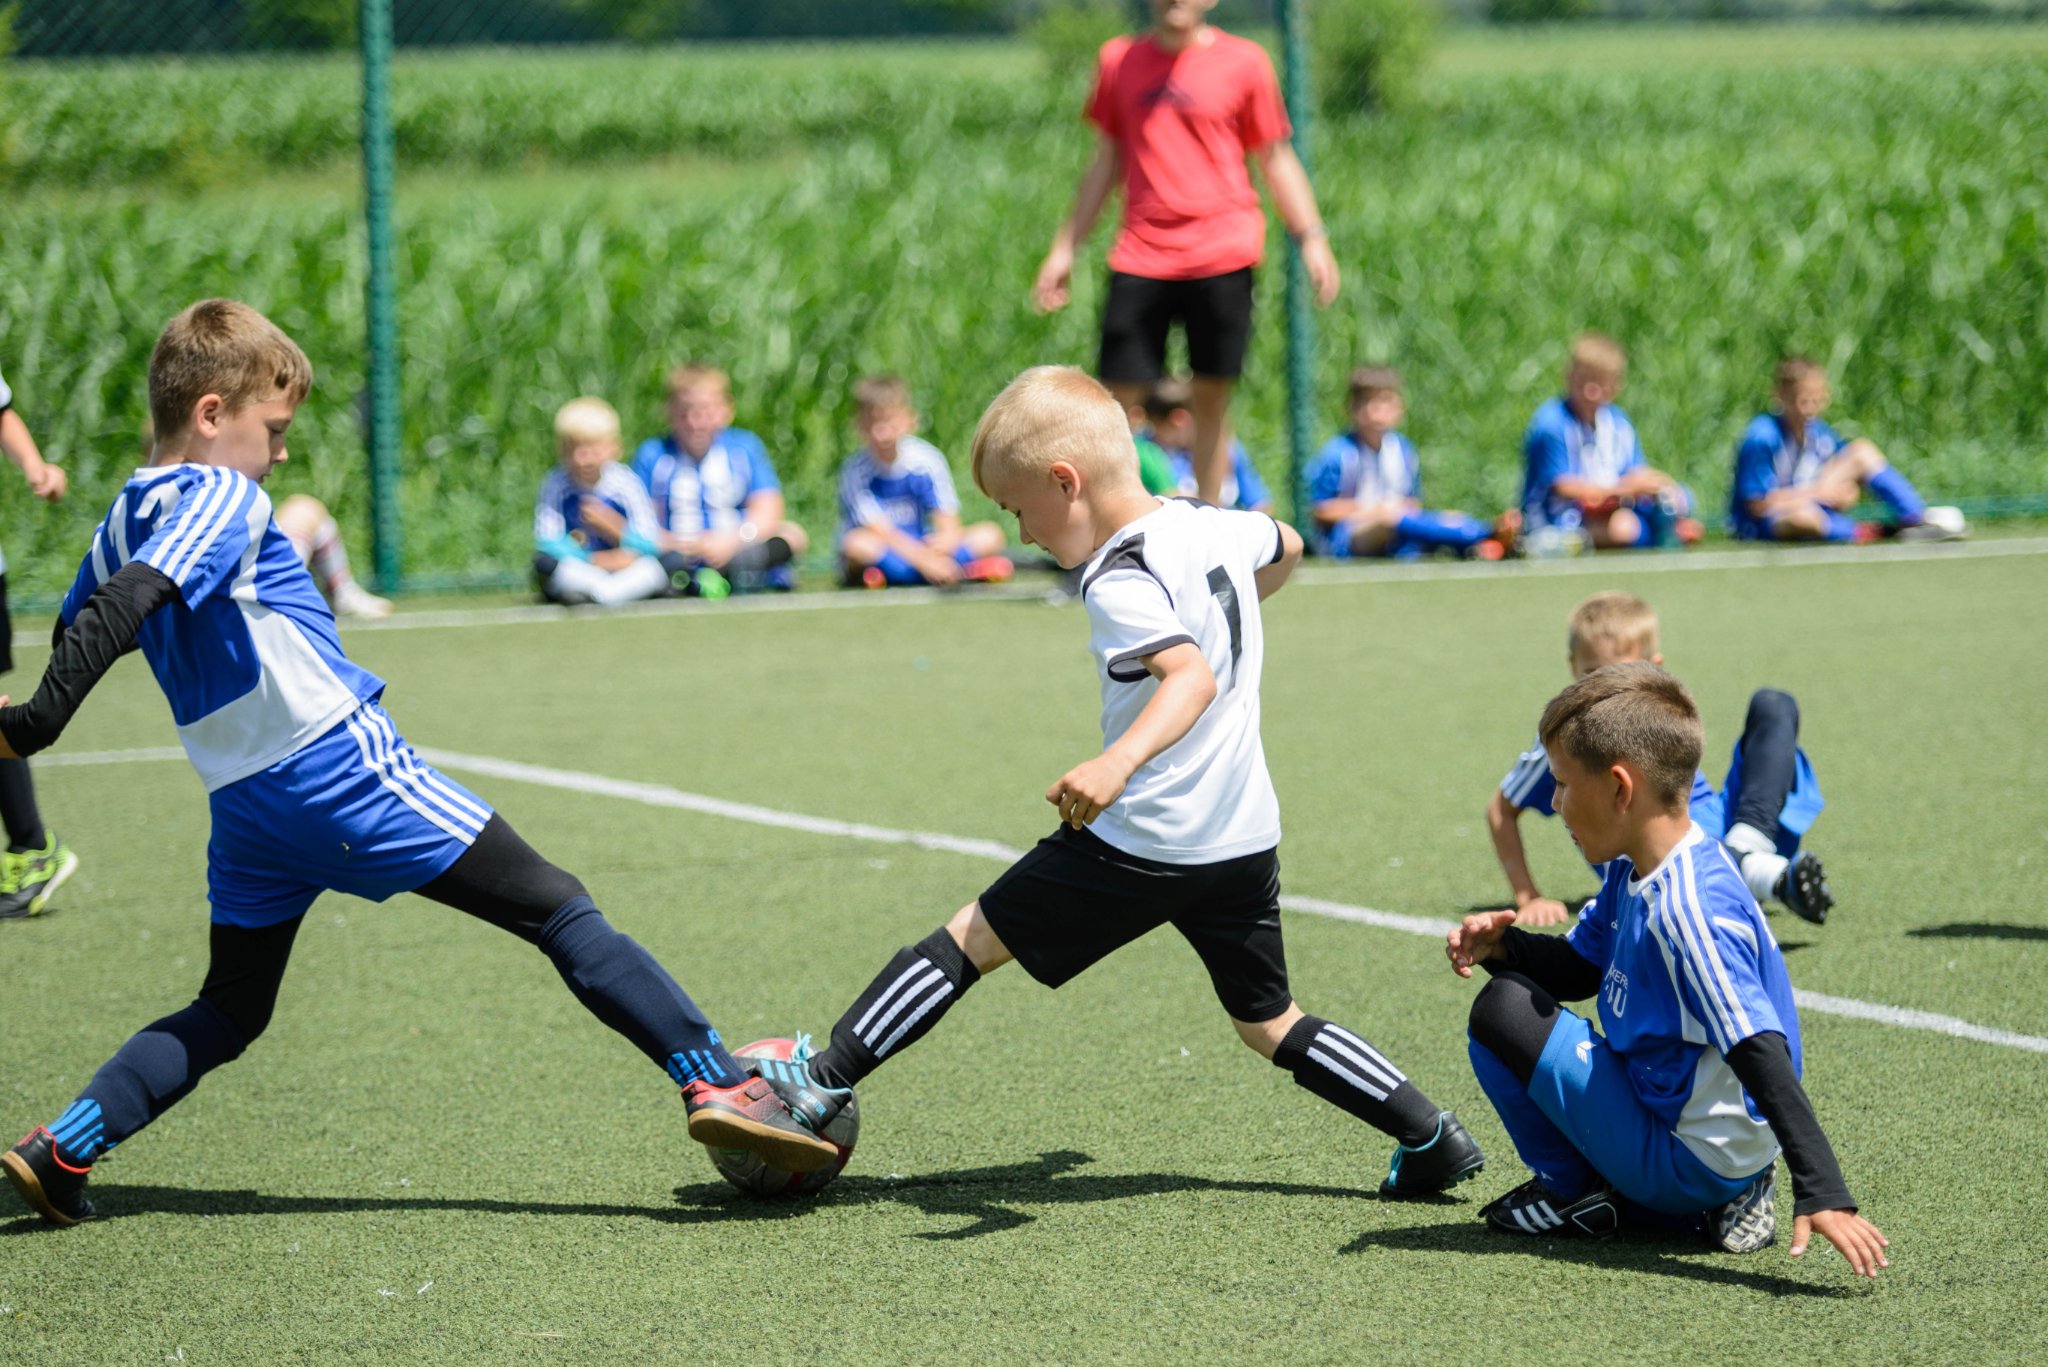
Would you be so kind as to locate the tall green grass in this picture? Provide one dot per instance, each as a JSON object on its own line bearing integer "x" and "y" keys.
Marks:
{"x": 1888, "y": 220}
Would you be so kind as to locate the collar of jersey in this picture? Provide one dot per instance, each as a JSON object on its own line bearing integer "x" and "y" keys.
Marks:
{"x": 1692, "y": 837}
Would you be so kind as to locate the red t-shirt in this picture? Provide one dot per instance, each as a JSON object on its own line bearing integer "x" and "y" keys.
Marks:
{"x": 1185, "y": 121}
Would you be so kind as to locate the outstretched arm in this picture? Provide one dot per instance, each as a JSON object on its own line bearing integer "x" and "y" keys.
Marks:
{"x": 1054, "y": 285}
{"x": 1503, "y": 823}
{"x": 1295, "y": 198}
{"x": 101, "y": 633}
{"x": 45, "y": 481}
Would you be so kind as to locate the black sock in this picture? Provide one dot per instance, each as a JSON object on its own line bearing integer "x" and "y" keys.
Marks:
{"x": 1345, "y": 1071}
{"x": 761, "y": 556}
{"x": 904, "y": 1001}
{"x": 18, "y": 807}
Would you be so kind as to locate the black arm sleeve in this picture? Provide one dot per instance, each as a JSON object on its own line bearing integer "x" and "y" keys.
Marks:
{"x": 1550, "y": 962}
{"x": 80, "y": 656}
{"x": 1764, "y": 1065}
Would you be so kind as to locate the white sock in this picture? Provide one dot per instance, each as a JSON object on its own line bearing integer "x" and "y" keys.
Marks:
{"x": 1758, "y": 858}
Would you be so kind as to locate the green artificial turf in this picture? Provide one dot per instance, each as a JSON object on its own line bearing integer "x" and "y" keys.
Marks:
{"x": 434, "y": 1155}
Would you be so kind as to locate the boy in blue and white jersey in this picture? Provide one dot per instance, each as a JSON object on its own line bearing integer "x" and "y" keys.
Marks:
{"x": 1170, "y": 419}
{"x": 715, "y": 492}
{"x": 1765, "y": 805}
{"x": 309, "y": 784}
{"x": 1679, "y": 1106}
{"x": 1796, "y": 478}
{"x": 1584, "y": 472}
{"x": 595, "y": 538}
{"x": 899, "y": 517}
{"x": 1365, "y": 487}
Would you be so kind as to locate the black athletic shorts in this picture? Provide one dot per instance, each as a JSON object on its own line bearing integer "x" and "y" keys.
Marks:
{"x": 1215, "y": 310}
{"x": 1074, "y": 899}
{"x": 6, "y": 629}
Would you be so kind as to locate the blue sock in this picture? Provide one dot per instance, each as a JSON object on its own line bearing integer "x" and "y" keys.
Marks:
{"x": 1544, "y": 1147}
{"x": 149, "y": 1074}
{"x": 1841, "y": 526}
{"x": 1455, "y": 530}
{"x": 1899, "y": 494}
{"x": 896, "y": 570}
{"x": 624, "y": 987}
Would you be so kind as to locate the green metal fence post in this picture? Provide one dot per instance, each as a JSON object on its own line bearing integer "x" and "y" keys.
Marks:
{"x": 387, "y": 537}
{"x": 1301, "y": 321}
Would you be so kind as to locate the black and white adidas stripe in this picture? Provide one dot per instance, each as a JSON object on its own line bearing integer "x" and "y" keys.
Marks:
{"x": 915, "y": 993}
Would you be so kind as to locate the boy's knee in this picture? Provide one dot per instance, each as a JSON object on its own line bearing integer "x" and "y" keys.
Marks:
{"x": 1512, "y": 1019}
{"x": 978, "y": 942}
{"x": 1773, "y": 707}
{"x": 1264, "y": 1037}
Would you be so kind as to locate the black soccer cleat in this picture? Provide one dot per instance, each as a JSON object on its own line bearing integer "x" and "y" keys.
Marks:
{"x": 1433, "y": 1168}
{"x": 1750, "y": 1221}
{"x": 52, "y": 1187}
{"x": 751, "y": 1116}
{"x": 1803, "y": 887}
{"x": 1533, "y": 1208}
{"x": 811, "y": 1102}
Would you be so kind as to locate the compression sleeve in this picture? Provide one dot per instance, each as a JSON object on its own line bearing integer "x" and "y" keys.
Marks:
{"x": 1550, "y": 962}
{"x": 102, "y": 631}
{"x": 1763, "y": 1063}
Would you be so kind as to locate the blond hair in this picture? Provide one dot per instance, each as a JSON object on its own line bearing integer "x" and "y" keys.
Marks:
{"x": 1633, "y": 714}
{"x": 586, "y": 419}
{"x": 1052, "y": 413}
{"x": 1600, "y": 354}
{"x": 1793, "y": 369}
{"x": 876, "y": 393}
{"x": 1612, "y": 624}
{"x": 697, "y": 375}
{"x": 218, "y": 346}
{"x": 1369, "y": 380}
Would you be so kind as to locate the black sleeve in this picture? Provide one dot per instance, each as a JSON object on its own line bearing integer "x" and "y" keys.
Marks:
{"x": 1764, "y": 1065}
{"x": 1550, "y": 962}
{"x": 80, "y": 656}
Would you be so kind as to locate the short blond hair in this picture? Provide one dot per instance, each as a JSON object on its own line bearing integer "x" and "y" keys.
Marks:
{"x": 1613, "y": 623}
{"x": 219, "y": 346}
{"x": 586, "y": 419}
{"x": 1632, "y": 714}
{"x": 878, "y": 392}
{"x": 1793, "y": 369}
{"x": 1051, "y": 413}
{"x": 1370, "y": 380}
{"x": 697, "y": 375}
{"x": 1599, "y": 353}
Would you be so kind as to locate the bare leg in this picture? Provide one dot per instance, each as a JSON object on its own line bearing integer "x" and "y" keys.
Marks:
{"x": 1210, "y": 403}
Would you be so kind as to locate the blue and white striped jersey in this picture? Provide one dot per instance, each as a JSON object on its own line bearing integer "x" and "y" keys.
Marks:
{"x": 1558, "y": 444}
{"x": 707, "y": 495}
{"x": 903, "y": 493}
{"x": 1691, "y": 972}
{"x": 1767, "y": 459}
{"x": 558, "y": 512}
{"x": 247, "y": 656}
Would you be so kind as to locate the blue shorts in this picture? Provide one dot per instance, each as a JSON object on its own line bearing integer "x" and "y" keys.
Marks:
{"x": 1581, "y": 1086}
{"x": 1795, "y": 818}
{"x": 900, "y": 572}
{"x": 356, "y": 811}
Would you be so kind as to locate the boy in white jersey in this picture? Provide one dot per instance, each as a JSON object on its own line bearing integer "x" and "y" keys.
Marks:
{"x": 1679, "y": 1106}
{"x": 1175, "y": 822}
{"x": 309, "y": 785}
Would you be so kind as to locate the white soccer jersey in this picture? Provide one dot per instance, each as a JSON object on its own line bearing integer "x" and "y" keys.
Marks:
{"x": 1181, "y": 574}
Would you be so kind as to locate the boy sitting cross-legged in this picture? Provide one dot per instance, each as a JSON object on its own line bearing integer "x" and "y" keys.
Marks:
{"x": 310, "y": 785}
{"x": 1679, "y": 1106}
{"x": 595, "y": 539}
{"x": 899, "y": 519}
{"x": 1175, "y": 822}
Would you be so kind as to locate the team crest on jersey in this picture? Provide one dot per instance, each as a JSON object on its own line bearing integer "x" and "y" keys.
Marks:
{"x": 1614, "y": 991}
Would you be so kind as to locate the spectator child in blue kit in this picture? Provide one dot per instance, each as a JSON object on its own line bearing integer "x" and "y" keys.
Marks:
{"x": 1170, "y": 417}
{"x": 594, "y": 534}
{"x": 1584, "y": 473}
{"x": 899, "y": 517}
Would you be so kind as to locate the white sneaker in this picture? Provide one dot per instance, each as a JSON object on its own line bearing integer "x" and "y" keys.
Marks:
{"x": 353, "y": 600}
{"x": 1938, "y": 523}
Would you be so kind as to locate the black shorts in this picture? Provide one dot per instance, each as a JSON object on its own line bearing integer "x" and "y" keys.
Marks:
{"x": 1215, "y": 310}
{"x": 6, "y": 630}
{"x": 1074, "y": 899}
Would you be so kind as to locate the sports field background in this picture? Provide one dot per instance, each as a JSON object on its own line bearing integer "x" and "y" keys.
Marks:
{"x": 434, "y": 1155}
{"x": 579, "y": 220}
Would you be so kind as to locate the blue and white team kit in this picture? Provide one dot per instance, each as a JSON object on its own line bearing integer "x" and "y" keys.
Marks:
{"x": 310, "y": 785}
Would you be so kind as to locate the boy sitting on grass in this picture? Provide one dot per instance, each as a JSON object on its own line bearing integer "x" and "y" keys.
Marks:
{"x": 1796, "y": 478}
{"x": 1767, "y": 801}
{"x": 1365, "y": 487}
{"x": 1675, "y": 1112}
{"x": 1169, "y": 410}
{"x": 594, "y": 534}
{"x": 899, "y": 519}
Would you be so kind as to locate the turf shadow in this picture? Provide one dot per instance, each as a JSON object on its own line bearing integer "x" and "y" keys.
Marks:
{"x": 1979, "y": 930}
{"x": 1666, "y": 1255}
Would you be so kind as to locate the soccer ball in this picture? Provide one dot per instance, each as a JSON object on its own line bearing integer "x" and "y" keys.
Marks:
{"x": 754, "y": 1175}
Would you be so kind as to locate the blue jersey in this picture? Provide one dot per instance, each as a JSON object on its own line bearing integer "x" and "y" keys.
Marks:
{"x": 905, "y": 493}
{"x": 1767, "y": 459}
{"x": 247, "y": 655}
{"x": 1690, "y": 971}
{"x": 1557, "y": 444}
{"x": 1530, "y": 787}
{"x": 558, "y": 511}
{"x": 1242, "y": 489}
{"x": 1347, "y": 468}
{"x": 708, "y": 494}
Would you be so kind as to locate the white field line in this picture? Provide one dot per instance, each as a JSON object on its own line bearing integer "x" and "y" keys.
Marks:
{"x": 661, "y": 795}
{"x": 1313, "y": 575}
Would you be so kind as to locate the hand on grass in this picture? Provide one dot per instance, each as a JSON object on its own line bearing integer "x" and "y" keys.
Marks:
{"x": 1084, "y": 790}
{"x": 1474, "y": 940}
{"x": 1858, "y": 1240}
{"x": 1542, "y": 911}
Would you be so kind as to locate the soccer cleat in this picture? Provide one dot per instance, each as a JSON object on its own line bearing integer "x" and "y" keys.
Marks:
{"x": 1451, "y": 1156}
{"x": 53, "y": 1187}
{"x": 1688, "y": 531}
{"x": 1750, "y": 1221}
{"x": 988, "y": 569}
{"x": 353, "y": 600}
{"x": 873, "y": 578}
{"x": 30, "y": 878}
{"x": 751, "y": 1115}
{"x": 1533, "y": 1208}
{"x": 1938, "y": 523}
{"x": 709, "y": 584}
{"x": 812, "y": 1103}
{"x": 1803, "y": 887}
{"x": 1489, "y": 549}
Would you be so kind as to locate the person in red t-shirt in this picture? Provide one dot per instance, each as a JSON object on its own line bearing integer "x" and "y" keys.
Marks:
{"x": 1179, "y": 108}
